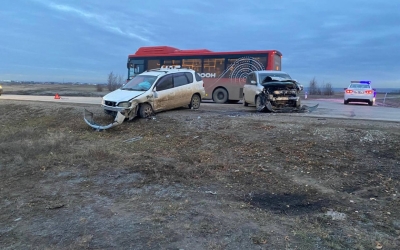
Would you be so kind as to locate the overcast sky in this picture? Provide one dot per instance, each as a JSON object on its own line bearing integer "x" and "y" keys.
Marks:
{"x": 333, "y": 41}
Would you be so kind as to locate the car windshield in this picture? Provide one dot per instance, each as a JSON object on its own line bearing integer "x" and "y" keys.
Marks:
{"x": 140, "y": 83}
{"x": 360, "y": 86}
{"x": 282, "y": 77}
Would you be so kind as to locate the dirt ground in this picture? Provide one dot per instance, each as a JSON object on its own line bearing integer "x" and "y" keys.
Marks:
{"x": 222, "y": 177}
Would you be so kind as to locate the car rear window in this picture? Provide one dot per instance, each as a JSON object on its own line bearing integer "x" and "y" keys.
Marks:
{"x": 180, "y": 79}
{"x": 360, "y": 86}
{"x": 198, "y": 77}
{"x": 189, "y": 76}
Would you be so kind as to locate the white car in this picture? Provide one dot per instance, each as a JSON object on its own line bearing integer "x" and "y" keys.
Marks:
{"x": 271, "y": 91}
{"x": 359, "y": 91}
{"x": 150, "y": 92}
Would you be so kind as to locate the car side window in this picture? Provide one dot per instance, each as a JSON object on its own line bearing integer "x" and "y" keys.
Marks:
{"x": 198, "y": 77}
{"x": 189, "y": 76}
{"x": 165, "y": 83}
{"x": 180, "y": 79}
{"x": 250, "y": 77}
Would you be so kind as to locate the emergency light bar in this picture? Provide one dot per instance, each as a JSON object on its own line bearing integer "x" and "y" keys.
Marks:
{"x": 365, "y": 82}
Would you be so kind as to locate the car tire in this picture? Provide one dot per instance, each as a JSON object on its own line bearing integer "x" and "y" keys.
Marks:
{"x": 244, "y": 102}
{"x": 145, "y": 110}
{"x": 298, "y": 104}
{"x": 370, "y": 103}
{"x": 345, "y": 102}
{"x": 195, "y": 102}
{"x": 220, "y": 95}
{"x": 258, "y": 106}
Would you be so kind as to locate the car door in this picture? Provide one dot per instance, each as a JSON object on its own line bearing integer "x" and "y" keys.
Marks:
{"x": 250, "y": 88}
{"x": 164, "y": 94}
{"x": 183, "y": 90}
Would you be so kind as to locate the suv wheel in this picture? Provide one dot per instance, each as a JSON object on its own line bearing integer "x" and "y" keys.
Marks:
{"x": 259, "y": 107}
{"x": 220, "y": 95}
{"x": 145, "y": 110}
{"x": 195, "y": 102}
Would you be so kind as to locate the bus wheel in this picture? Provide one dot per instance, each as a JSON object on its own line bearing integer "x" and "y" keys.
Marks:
{"x": 220, "y": 95}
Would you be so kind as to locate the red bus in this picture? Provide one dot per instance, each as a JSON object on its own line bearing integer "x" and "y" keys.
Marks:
{"x": 223, "y": 73}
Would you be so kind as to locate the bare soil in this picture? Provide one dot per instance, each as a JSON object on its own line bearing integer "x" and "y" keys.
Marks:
{"x": 222, "y": 177}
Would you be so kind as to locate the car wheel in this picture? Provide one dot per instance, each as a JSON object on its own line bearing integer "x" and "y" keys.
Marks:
{"x": 298, "y": 104}
{"x": 259, "y": 107}
{"x": 244, "y": 102}
{"x": 345, "y": 102}
{"x": 370, "y": 103}
{"x": 195, "y": 102}
{"x": 145, "y": 110}
{"x": 220, "y": 95}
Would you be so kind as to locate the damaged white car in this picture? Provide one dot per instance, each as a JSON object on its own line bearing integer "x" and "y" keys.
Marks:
{"x": 273, "y": 91}
{"x": 151, "y": 92}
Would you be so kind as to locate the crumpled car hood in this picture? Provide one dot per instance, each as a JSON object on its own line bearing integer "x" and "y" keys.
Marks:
{"x": 279, "y": 83}
{"x": 121, "y": 95}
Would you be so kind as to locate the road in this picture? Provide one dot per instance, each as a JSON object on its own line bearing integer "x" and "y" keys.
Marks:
{"x": 67, "y": 99}
{"x": 328, "y": 108}
{"x": 334, "y": 108}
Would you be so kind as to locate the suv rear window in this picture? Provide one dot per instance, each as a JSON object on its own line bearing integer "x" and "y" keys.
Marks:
{"x": 189, "y": 76}
{"x": 198, "y": 77}
{"x": 180, "y": 79}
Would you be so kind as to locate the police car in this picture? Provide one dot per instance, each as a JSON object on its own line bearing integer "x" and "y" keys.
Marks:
{"x": 359, "y": 91}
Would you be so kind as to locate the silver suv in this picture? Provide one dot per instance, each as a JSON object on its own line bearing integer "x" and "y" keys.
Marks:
{"x": 271, "y": 91}
{"x": 150, "y": 92}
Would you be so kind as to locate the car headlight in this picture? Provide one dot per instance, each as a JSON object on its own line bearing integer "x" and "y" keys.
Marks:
{"x": 124, "y": 104}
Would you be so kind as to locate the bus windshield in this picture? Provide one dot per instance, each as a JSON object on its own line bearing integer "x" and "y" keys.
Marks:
{"x": 140, "y": 83}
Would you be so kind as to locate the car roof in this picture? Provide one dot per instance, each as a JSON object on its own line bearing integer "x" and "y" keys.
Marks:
{"x": 159, "y": 71}
{"x": 271, "y": 71}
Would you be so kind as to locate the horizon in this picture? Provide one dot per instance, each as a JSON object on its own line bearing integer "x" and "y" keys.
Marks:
{"x": 77, "y": 41}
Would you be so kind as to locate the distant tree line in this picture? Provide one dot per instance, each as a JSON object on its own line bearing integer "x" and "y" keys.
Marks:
{"x": 315, "y": 89}
{"x": 114, "y": 82}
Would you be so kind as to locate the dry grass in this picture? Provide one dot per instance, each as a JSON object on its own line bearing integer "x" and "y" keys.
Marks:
{"x": 214, "y": 182}
{"x": 52, "y": 89}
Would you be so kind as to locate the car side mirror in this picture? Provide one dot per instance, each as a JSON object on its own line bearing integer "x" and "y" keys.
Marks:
{"x": 155, "y": 94}
{"x": 253, "y": 82}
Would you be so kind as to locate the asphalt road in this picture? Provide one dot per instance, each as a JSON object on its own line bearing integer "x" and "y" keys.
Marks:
{"x": 328, "y": 108}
